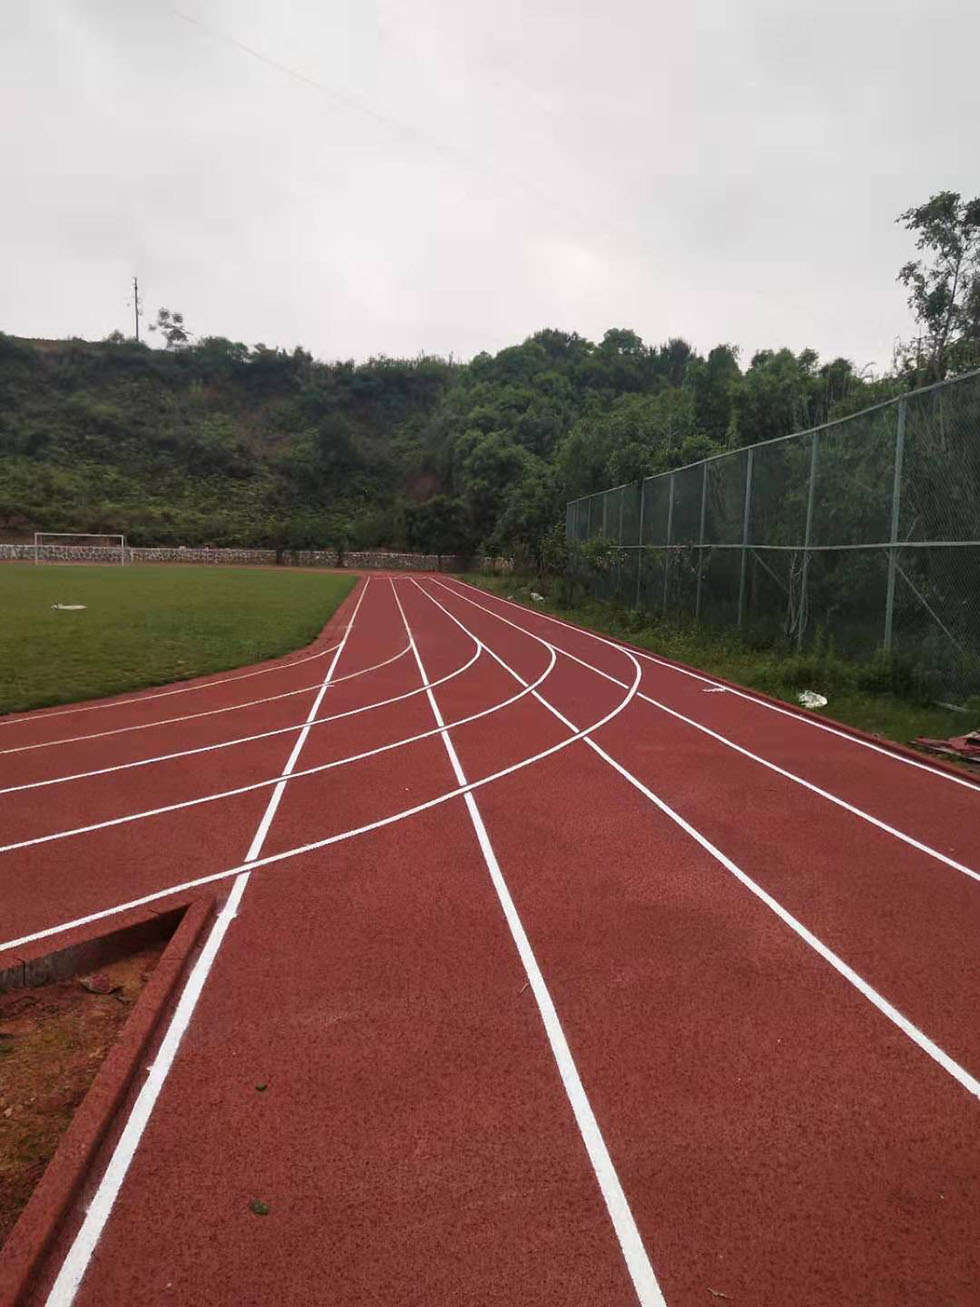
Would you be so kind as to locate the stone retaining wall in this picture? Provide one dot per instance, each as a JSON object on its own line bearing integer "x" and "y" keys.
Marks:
{"x": 370, "y": 559}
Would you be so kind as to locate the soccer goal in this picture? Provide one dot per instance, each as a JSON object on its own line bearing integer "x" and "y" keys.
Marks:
{"x": 78, "y": 547}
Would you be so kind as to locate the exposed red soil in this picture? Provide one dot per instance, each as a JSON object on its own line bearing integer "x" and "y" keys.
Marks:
{"x": 53, "y": 1039}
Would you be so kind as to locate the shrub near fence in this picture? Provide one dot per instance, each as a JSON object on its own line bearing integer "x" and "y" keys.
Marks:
{"x": 866, "y": 530}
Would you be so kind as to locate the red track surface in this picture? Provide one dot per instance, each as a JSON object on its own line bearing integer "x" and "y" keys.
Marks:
{"x": 669, "y": 1001}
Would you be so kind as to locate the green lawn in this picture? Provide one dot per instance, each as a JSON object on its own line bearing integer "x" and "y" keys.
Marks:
{"x": 857, "y": 694}
{"x": 148, "y": 625}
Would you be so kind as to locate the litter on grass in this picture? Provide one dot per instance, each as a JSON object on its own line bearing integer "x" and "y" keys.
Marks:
{"x": 964, "y": 748}
{"x": 538, "y": 599}
{"x": 810, "y": 699}
{"x": 69, "y": 608}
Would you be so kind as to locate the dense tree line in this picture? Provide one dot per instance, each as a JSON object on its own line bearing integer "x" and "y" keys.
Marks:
{"x": 217, "y": 442}
{"x": 213, "y": 441}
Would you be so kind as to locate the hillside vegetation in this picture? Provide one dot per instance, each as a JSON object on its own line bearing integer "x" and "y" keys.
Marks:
{"x": 218, "y": 443}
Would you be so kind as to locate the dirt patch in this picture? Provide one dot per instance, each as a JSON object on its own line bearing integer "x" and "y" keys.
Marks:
{"x": 53, "y": 1039}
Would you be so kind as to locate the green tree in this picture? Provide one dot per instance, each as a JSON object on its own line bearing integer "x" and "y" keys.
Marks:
{"x": 438, "y": 526}
{"x": 944, "y": 287}
{"x": 715, "y": 383}
{"x": 171, "y": 328}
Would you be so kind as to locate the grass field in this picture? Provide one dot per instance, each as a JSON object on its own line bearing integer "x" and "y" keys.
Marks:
{"x": 147, "y": 625}
{"x": 849, "y": 686}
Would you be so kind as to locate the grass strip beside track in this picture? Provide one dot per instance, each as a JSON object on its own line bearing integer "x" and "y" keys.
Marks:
{"x": 148, "y": 625}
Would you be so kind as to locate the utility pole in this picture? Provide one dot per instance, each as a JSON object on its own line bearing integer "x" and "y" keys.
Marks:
{"x": 136, "y": 307}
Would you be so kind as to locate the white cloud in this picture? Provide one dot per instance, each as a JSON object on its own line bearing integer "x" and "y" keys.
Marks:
{"x": 458, "y": 175}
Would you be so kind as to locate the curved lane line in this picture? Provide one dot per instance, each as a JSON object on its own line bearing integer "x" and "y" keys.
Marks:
{"x": 274, "y": 780}
{"x": 835, "y": 799}
{"x": 339, "y": 838}
{"x": 42, "y": 714}
{"x": 210, "y": 712}
{"x": 228, "y": 744}
{"x": 964, "y": 781}
{"x": 878, "y": 1000}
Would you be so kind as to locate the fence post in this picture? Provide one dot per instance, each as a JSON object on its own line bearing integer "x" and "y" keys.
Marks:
{"x": 605, "y": 515}
{"x": 704, "y": 500}
{"x": 670, "y": 532}
{"x": 896, "y": 508}
{"x": 807, "y": 531}
{"x": 745, "y": 537}
{"x": 639, "y": 547}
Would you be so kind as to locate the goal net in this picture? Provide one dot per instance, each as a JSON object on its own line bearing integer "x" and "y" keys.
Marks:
{"x": 78, "y": 547}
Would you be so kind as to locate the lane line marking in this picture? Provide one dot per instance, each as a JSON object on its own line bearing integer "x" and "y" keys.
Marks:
{"x": 224, "y": 744}
{"x": 742, "y": 694}
{"x": 257, "y": 785}
{"x": 887, "y": 1009}
{"x": 287, "y": 854}
{"x": 878, "y": 822}
{"x": 79, "y": 1255}
{"x": 210, "y": 712}
{"x": 42, "y": 714}
{"x": 624, "y": 1224}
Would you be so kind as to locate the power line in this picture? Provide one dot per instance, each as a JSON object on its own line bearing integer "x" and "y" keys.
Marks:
{"x": 405, "y": 131}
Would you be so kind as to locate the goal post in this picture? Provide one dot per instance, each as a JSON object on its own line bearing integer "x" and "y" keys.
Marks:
{"x": 79, "y": 547}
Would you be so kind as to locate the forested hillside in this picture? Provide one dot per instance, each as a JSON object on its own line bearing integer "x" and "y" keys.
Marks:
{"x": 215, "y": 442}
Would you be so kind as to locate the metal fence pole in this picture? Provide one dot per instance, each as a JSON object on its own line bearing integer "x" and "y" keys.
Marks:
{"x": 605, "y": 515}
{"x": 639, "y": 547}
{"x": 670, "y": 531}
{"x": 893, "y": 539}
{"x": 704, "y": 501}
{"x": 745, "y": 537}
{"x": 807, "y": 531}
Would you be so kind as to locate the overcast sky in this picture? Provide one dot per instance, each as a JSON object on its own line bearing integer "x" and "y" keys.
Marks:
{"x": 450, "y": 176}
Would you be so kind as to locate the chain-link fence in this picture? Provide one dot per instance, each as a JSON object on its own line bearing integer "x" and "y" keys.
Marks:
{"x": 866, "y": 530}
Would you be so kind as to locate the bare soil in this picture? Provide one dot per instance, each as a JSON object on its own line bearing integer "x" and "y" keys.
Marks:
{"x": 53, "y": 1039}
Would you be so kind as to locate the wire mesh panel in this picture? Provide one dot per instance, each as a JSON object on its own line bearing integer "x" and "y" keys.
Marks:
{"x": 864, "y": 532}
{"x": 940, "y": 482}
{"x": 725, "y": 502}
{"x": 685, "y": 537}
{"x": 937, "y": 614}
{"x": 846, "y": 590}
{"x": 853, "y": 500}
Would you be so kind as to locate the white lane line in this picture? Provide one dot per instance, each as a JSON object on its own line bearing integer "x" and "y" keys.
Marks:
{"x": 258, "y": 785}
{"x": 964, "y": 781}
{"x": 40, "y": 715}
{"x": 209, "y": 712}
{"x": 634, "y": 1254}
{"x": 225, "y": 744}
{"x": 887, "y": 1009}
{"x": 328, "y": 840}
{"x": 835, "y": 799}
{"x": 76, "y": 1262}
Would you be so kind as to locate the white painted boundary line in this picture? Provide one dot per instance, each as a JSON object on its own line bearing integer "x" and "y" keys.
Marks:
{"x": 210, "y": 712}
{"x": 329, "y": 840}
{"x": 741, "y": 694}
{"x": 258, "y": 785}
{"x": 634, "y": 1254}
{"x": 881, "y": 825}
{"x": 76, "y": 1262}
{"x": 227, "y": 744}
{"x": 887, "y": 1009}
{"x": 42, "y": 714}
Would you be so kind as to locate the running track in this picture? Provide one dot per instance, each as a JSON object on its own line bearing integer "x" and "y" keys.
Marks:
{"x": 622, "y": 988}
